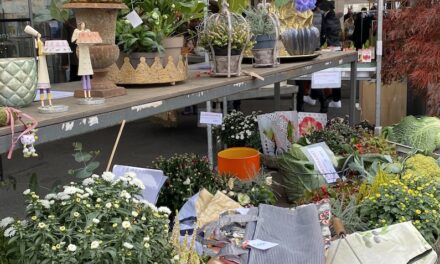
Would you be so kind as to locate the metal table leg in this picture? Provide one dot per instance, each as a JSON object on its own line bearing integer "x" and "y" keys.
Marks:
{"x": 277, "y": 96}
{"x": 353, "y": 93}
{"x": 225, "y": 106}
{"x": 209, "y": 132}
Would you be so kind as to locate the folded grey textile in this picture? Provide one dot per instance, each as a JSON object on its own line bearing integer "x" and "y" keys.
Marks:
{"x": 297, "y": 233}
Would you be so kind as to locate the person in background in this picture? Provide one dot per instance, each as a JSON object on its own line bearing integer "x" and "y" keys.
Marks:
{"x": 304, "y": 85}
{"x": 348, "y": 27}
{"x": 331, "y": 33}
{"x": 362, "y": 25}
{"x": 331, "y": 26}
{"x": 349, "y": 14}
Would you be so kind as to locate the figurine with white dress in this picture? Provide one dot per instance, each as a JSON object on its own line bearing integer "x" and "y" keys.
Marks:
{"x": 47, "y": 48}
{"x": 85, "y": 38}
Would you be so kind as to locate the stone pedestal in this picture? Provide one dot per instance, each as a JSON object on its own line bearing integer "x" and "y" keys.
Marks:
{"x": 100, "y": 17}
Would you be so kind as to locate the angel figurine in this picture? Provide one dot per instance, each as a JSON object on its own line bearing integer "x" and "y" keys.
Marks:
{"x": 84, "y": 38}
{"x": 49, "y": 47}
{"x": 43, "y": 75}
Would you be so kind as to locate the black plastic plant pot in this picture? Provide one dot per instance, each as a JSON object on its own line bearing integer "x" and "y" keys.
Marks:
{"x": 224, "y": 51}
{"x": 265, "y": 42}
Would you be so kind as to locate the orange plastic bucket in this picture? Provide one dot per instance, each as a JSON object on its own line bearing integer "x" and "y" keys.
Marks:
{"x": 243, "y": 163}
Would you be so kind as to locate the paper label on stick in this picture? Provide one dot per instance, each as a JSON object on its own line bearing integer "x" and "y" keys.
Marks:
{"x": 134, "y": 19}
{"x": 326, "y": 79}
{"x": 211, "y": 118}
{"x": 260, "y": 244}
{"x": 322, "y": 161}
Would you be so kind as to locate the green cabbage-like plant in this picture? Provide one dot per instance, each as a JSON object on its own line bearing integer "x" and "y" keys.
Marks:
{"x": 422, "y": 133}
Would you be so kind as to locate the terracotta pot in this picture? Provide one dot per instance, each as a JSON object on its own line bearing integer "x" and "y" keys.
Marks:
{"x": 263, "y": 57}
{"x": 244, "y": 163}
{"x": 221, "y": 64}
{"x": 173, "y": 47}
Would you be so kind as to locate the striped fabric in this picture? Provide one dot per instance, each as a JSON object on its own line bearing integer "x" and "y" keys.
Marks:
{"x": 297, "y": 233}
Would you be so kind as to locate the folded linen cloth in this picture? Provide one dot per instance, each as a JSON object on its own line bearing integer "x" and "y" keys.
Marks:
{"x": 396, "y": 244}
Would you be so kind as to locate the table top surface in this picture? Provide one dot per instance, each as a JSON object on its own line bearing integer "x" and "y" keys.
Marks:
{"x": 150, "y": 94}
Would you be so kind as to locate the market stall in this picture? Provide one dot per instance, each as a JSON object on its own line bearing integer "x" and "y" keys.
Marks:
{"x": 284, "y": 186}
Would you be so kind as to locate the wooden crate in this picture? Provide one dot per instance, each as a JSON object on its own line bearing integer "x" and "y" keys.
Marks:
{"x": 393, "y": 105}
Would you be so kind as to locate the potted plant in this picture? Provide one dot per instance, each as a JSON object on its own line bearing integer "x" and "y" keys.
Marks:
{"x": 164, "y": 24}
{"x": 137, "y": 42}
{"x": 264, "y": 27}
{"x": 226, "y": 35}
{"x": 102, "y": 220}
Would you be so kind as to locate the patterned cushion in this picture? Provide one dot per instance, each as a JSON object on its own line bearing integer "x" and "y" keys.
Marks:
{"x": 18, "y": 81}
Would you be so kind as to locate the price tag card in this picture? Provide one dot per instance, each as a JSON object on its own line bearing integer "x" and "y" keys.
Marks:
{"x": 326, "y": 79}
{"x": 211, "y": 118}
{"x": 134, "y": 19}
{"x": 317, "y": 154}
{"x": 260, "y": 244}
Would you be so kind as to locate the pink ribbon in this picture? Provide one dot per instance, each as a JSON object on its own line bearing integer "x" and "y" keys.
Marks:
{"x": 11, "y": 121}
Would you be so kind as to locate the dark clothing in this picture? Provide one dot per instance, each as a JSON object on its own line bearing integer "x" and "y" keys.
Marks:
{"x": 316, "y": 94}
{"x": 331, "y": 29}
{"x": 362, "y": 25}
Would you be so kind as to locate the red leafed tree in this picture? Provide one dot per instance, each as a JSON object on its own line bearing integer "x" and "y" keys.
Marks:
{"x": 412, "y": 49}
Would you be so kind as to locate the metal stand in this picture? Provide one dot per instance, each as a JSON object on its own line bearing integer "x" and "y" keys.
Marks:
{"x": 209, "y": 132}
{"x": 2, "y": 176}
{"x": 277, "y": 95}
{"x": 353, "y": 93}
{"x": 378, "y": 126}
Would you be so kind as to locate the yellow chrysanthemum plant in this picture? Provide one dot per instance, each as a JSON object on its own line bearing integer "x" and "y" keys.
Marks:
{"x": 413, "y": 195}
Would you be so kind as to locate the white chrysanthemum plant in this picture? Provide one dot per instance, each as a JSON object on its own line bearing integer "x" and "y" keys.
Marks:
{"x": 101, "y": 220}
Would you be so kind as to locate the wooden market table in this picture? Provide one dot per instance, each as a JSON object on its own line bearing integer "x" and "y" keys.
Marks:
{"x": 140, "y": 103}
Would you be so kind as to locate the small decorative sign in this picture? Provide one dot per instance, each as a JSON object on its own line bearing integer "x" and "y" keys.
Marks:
{"x": 326, "y": 79}
{"x": 211, "y": 118}
{"x": 319, "y": 155}
{"x": 134, "y": 19}
{"x": 260, "y": 244}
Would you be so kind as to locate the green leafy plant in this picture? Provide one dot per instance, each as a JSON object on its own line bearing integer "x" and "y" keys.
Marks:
{"x": 419, "y": 132}
{"x": 216, "y": 34}
{"x": 259, "y": 21}
{"x": 187, "y": 175}
{"x": 98, "y": 221}
{"x": 58, "y": 12}
{"x": 86, "y": 159}
{"x": 239, "y": 130}
{"x": 337, "y": 134}
{"x": 347, "y": 209}
{"x": 8, "y": 183}
{"x": 161, "y": 19}
{"x": 236, "y": 6}
{"x": 139, "y": 39}
{"x": 250, "y": 192}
